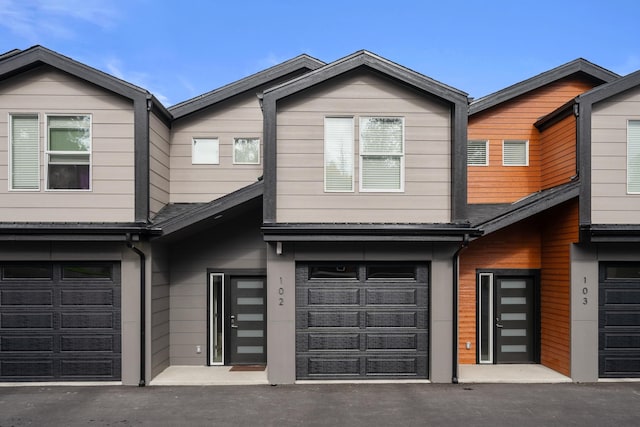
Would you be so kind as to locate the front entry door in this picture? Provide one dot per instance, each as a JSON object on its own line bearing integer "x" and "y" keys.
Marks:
{"x": 515, "y": 320}
{"x": 247, "y": 312}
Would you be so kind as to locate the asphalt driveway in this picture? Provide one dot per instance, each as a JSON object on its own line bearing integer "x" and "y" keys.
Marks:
{"x": 604, "y": 404}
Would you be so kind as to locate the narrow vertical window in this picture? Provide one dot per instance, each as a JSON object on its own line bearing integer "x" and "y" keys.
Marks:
{"x": 478, "y": 153}
{"x": 485, "y": 318}
{"x": 633, "y": 157}
{"x": 515, "y": 153}
{"x": 24, "y": 152}
{"x": 68, "y": 152}
{"x": 382, "y": 154}
{"x": 205, "y": 151}
{"x": 338, "y": 154}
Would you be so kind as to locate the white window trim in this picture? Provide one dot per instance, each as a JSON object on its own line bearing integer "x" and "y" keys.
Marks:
{"x": 486, "y": 150}
{"x": 10, "y": 151}
{"x": 361, "y": 155}
{"x": 47, "y": 152}
{"x": 324, "y": 159}
{"x": 526, "y": 152}
{"x": 628, "y": 165}
{"x": 233, "y": 149}
{"x": 193, "y": 140}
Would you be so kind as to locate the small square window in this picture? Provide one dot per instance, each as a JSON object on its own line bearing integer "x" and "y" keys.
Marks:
{"x": 205, "y": 151}
{"x": 515, "y": 153}
{"x": 246, "y": 151}
{"x": 478, "y": 153}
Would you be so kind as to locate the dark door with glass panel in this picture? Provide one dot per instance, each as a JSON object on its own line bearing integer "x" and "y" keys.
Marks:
{"x": 247, "y": 316}
{"x": 515, "y": 320}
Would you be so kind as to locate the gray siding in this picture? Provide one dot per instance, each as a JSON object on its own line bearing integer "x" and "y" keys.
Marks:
{"x": 159, "y": 136}
{"x": 236, "y": 245}
{"x": 95, "y": 251}
{"x": 48, "y": 91}
{"x": 159, "y": 310}
{"x": 300, "y": 161}
{"x": 610, "y": 203}
{"x": 237, "y": 117}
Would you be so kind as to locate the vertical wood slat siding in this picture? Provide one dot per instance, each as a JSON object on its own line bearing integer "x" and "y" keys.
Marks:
{"x": 48, "y": 91}
{"x": 160, "y": 339}
{"x": 237, "y": 245}
{"x": 517, "y": 246}
{"x": 237, "y": 117}
{"x": 560, "y": 230}
{"x": 558, "y": 153}
{"x": 300, "y": 162}
{"x": 610, "y": 203}
{"x": 514, "y": 120}
{"x": 159, "y": 148}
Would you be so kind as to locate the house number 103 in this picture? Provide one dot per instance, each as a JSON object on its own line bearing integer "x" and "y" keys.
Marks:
{"x": 585, "y": 299}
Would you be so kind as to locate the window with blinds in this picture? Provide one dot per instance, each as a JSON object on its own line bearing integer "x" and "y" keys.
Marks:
{"x": 633, "y": 157}
{"x": 338, "y": 154}
{"x": 382, "y": 154}
{"x": 515, "y": 153}
{"x": 25, "y": 153}
{"x": 478, "y": 153}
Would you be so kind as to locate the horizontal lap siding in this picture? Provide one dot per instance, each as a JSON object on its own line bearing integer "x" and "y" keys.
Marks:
{"x": 515, "y": 247}
{"x": 300, "y": 136}
{"x": 48, "y": 91}
{"x": 610, "y": 203}
{"x": 159, "y": 150}
{"x": 514, "y": 120}
{"x": 560, "y": 230}
{"x": 237, "y": 117}
{"x": 160, "y": 302}
{"x": 558, "y": 154}
{"x": 234, "y": 245}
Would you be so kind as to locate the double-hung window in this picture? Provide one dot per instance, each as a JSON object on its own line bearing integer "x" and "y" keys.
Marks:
{"x": 381, "y": 154}
{"x": 338, "y": 154}
{"x": 68, "y": 152}
{"x": 633, "y": 157}
{"x": 24, "y": 152}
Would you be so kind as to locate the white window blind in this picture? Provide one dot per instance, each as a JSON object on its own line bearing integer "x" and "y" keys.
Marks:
{"x": 338, "y": 154}
{"x": 477, "y": 153}
{"x": 205, "y": 151}
{"x": 515, "y": 153}
{"x": 25, "y": 153}
{"x": 633, "y": 156}
{"x": 382, "y": 153}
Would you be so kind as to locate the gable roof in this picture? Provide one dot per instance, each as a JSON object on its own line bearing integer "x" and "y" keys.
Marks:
{"x": 608, "y": 90}
{"x": 299, "y": 63}
{"x": 577, "y": 66}
{"x": 367, "y": 59}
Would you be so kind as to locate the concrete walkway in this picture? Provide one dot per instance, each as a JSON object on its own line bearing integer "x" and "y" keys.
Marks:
{"x": 208, "y": 375}
{"x": 519, "y": 374}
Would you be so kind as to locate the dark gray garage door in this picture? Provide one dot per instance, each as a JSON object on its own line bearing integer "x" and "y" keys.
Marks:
{"x": 619, "y": 320}
{"x": 361, "y": 321}
{"x": 60, "y": 321}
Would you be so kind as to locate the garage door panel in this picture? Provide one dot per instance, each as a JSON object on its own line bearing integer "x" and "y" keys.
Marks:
{"x": 619, "y": 318}
{"x": 358, "y": 328}
{"x": 26, "y": 297}
{"x": 64, "y": 328}
{"x": 619, "y": 366}
{"x": 621, "y": 296}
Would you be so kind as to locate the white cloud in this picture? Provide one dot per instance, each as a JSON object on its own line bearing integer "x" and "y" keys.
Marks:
{"x": 36, "y": 19}
{"x": 631, "y": 64}
{"x": 114, "y": 67}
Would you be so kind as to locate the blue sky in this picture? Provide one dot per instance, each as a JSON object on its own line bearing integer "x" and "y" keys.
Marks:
{"x": 181, "y": 49}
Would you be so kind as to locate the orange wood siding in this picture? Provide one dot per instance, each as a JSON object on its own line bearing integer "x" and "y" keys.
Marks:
{"x": 517, "y": 246}
{"x": 559, "y": 231}
{"x": 514, "y": 120}
{"x": 558, "y": 153}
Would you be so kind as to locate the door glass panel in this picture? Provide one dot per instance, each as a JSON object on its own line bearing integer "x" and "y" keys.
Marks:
{"x": 514, "y": 348}
{"x": 513, "y": 332}
{"x": 27, "y": 272}
{"x": 514, "y": 316}
{"x": 250, "y": 333}
{"x": 216, "y": 324}
{"x": 250, "y": 284}
{"x": 336, "y": 271}
{"x": 86, "y": 272}
{"x": 248, "y": 349}
{"x": 513, "y": 284}
{"x": 513, "y": 300}
{"x": 486, "y": 316}
{"x": 246, "y": 317}
{"x": 250, "y": 301}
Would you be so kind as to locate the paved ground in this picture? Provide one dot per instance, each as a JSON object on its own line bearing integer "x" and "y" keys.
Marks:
{"x": 521, "y": 405}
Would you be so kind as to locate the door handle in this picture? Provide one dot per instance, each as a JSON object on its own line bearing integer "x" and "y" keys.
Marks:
{"x": 499, "y": 325}
{"x": 233, "y": 321}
